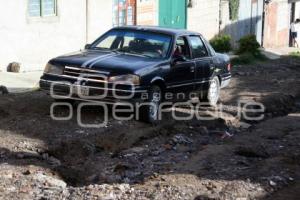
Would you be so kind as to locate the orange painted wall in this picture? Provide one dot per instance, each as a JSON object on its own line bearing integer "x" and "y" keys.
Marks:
{"x": 272, "y": 36}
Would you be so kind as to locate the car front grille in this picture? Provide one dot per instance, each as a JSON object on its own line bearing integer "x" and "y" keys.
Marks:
{"x": 85, "y": 74}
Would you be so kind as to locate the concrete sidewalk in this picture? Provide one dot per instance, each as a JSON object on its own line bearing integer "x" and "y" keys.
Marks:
{"x": 276, "y": 53}
{"x": 20, "y": 82}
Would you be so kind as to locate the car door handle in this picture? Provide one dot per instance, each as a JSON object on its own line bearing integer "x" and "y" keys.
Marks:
{"x": 192, "y": 68}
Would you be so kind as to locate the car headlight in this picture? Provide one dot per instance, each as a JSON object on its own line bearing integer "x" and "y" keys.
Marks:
{"x": 125, "y": 79}
{"x": 52, "y": 69}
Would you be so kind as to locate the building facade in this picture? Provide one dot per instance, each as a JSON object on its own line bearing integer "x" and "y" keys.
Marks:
{"x": 269, "y": 20}
{"x": 34, "y": 31}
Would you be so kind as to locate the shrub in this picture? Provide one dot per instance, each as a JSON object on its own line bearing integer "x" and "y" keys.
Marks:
{"x": 248, "y": 44}
{"x": 234, "y": 6}
{"x": 295, "y": 54}
{"x": 248, "y": 58}
{"x": 221, "y": 43}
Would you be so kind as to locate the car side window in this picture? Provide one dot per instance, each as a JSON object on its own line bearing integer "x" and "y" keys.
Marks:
{"x": 198, "y": 47}
{"x": 182, "y": 48}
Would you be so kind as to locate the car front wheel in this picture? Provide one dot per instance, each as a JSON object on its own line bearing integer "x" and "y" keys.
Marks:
{"x": 150, "y": 112}
{"x": 213, "y": 94}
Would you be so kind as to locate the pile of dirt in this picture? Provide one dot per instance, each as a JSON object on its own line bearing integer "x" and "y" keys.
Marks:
{"x": 227, "y": 157}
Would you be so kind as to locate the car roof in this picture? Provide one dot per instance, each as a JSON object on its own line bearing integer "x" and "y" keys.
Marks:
{"x": 170, "y": 31}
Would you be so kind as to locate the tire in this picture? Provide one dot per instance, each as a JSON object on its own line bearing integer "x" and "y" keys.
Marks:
{"x": 150, "y": 113}
{"x": 212, "y": 95}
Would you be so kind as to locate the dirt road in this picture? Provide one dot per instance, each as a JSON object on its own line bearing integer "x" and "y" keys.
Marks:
{"x": 225, "y": 158}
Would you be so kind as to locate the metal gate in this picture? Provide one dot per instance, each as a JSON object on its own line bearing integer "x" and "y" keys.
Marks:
{"x": 172, "y": 13}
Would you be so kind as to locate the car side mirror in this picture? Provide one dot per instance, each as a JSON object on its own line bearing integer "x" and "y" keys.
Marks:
{"x": 178, "y": 58}
{"x": 87, "y": 46}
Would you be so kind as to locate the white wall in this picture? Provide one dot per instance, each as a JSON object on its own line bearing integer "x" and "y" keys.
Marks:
{"x": 99, "y": 18}
{"x": 204, "y": 17}
{"x": 297, "y": 10}
{"x": 33, "y": 41}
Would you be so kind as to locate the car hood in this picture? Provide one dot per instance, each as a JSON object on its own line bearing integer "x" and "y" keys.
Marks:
{"x": 111, "y": 62}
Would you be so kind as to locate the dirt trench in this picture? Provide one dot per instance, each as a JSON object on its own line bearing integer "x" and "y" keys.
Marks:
{"x": 227, "y": 157}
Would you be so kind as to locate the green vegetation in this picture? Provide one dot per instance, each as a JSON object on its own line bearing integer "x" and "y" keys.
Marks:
{"x": 221, "y": 43}
{"x": 248, "y": 51}
{"x": 295, "y": 54}
{"x": 234, "y": 6}
{"x": 248, "y": 44}
{"x": 248, "y": 58}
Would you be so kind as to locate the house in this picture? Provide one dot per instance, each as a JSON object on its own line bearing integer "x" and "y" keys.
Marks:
{"x": 278, "y": 16}
{"x": 33, "y": 31}
{"x": 197, "y": 15}
{"x": 269, "y": 20}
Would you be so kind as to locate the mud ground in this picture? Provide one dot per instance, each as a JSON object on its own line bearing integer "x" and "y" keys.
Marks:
{"x": 224, "y": 158}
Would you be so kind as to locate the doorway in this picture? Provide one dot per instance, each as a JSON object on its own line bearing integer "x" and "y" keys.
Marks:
{"x": 172, "y": 13}
{"x": 124, "y": 12}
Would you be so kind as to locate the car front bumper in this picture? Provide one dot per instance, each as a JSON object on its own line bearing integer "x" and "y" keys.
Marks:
{"x": 59, "y": 88}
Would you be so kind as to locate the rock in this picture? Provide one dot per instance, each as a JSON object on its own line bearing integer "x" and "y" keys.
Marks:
{"x": 133, "y": 151}
{"x": 20, "y": 155}
{"x": 256, "y": 151}
{"x": 203, "y": 130}
{"x": 27, "y": 172}
{"x": 226, "y": 134}
{"x": 50, "y": 180}
{"x": 245, "y": 125}
{"x": 124, "y": 187}
{"x": 158, "y": 151}
{"x": 54, "y": 161}
{"x": 121, "y": 168}
{"x": 8, "y": 175}
{"x": 272, "y": 183}
{"x": 14, "y": 67}
{"x": 181, "y": 139}
{"x": 4, "y": 152}
{"x": 93, "y": 178}
{"x": 45, "y": 156}
{"x": 3, "y": 90}
{"x": 168, "y": 146}
{"x": 241, "y": 73}
{"x": 80, "y": 131}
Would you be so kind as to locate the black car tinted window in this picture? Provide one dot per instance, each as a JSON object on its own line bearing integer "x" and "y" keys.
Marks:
{"x": 144, "y": 43}
{"x": 198, "y": 48}
{"x": 182, "y": 47}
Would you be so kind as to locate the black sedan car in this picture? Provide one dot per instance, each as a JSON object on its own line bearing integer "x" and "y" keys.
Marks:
{"x": 140, "y": 64}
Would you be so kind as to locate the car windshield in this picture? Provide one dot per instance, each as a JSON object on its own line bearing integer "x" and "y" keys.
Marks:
{"x": 140, "y": 43}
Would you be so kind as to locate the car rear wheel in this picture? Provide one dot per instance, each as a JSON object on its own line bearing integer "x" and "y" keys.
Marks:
{"x": 213, "y": 94}
{"x": 150, "y": 112}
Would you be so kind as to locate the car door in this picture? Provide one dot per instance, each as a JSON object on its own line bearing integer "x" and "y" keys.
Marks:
{"x": 203, "y": 60}
{"x": 182, "y": 73}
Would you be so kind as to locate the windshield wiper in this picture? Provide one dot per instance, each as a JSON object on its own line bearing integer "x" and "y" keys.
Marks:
{"x": 131, "y": 52}
{"x": 99, "y": 48}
